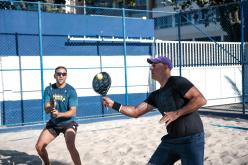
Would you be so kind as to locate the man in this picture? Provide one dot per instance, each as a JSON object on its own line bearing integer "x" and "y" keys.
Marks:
{"x": 61, "y": 102}
{"x": 178, "y": 101}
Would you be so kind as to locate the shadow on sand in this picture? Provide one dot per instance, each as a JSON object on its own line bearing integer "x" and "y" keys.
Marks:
{"x": 225, "y": 111}
{"x": 223, "y": 114}
{"x": 12, "y": 157}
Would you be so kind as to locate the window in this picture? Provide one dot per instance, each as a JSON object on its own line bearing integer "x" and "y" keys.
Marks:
{"x": 163, "y": 22}
{"x": 186, "y": 19}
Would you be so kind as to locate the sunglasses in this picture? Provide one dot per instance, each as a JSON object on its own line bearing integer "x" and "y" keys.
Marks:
{"x": 60, "y": 74}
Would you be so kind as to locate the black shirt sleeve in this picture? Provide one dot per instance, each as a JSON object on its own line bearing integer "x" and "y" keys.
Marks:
{"x": 150, "y": 99}
{"x": 182, "y": 85}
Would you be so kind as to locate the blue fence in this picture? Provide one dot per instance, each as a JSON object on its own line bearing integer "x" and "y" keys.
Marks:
{"x": 37, "y": 37}
{"x": 34, "y": 41}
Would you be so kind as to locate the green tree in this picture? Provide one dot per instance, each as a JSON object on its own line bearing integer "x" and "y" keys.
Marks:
{"x": 228, "y": 10}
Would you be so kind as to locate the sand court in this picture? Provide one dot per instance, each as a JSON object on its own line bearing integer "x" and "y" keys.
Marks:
{"x": 128, "y": 142}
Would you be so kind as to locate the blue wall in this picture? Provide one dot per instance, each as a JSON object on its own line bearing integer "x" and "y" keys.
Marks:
{"x": 19, "y": 35}
{"x": 29, "y": 111}
{"x": 22, "y": 27}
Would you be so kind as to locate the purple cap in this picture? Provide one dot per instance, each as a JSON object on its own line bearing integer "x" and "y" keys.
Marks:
{"x": 161, "y": 59}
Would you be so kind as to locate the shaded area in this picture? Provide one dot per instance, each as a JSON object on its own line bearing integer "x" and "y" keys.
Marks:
{"x": 225, "y": 110}
{"x": 223, "y": 114}
{"x": 10, "y": 157}
{"x": 237, "y": 107}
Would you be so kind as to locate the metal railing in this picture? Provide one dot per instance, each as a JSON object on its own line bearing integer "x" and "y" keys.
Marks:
{"x": 196, "y": 53}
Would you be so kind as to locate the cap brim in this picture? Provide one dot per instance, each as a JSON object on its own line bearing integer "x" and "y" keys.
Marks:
{"x": 152, "y": 61}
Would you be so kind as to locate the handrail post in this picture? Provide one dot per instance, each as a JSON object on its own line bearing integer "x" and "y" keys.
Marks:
{"x": 41, "y": 62}
{"x": 125, "y": 54}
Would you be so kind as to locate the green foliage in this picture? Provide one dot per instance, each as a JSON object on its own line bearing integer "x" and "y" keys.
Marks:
{"x": 228, "y": 10}
{"x": 130, "y": 3}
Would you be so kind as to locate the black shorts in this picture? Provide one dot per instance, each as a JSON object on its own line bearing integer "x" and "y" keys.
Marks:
{"x": 57, "y": 129}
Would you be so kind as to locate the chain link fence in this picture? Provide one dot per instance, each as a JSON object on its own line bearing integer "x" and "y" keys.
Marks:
{"x": 204, "y": 45}
{"x": 209, "y": 41}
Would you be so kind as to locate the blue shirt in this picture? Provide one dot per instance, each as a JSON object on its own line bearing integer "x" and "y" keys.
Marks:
{"x": 65, "y": 98}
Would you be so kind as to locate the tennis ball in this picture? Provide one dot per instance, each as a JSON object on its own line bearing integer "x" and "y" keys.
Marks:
{"x": 99, "y": 76}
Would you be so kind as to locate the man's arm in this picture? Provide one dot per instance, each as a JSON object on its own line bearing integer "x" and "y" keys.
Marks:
{"x": 131, "y": 111}
{"x": 196, "y": 100}
{"x": 71, "y": 112}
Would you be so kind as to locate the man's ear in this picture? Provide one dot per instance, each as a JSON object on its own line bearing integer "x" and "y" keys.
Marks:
{"x": 54, "y": 76}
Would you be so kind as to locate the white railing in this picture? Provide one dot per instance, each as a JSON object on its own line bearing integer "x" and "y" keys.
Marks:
{"x": 197, "y": 53}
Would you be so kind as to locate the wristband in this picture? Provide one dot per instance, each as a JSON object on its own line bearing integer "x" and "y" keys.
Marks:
{"x": 116, "y": 106}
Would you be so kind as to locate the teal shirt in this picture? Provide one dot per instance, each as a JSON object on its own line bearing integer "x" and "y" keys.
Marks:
{"x": 65, "y": 98}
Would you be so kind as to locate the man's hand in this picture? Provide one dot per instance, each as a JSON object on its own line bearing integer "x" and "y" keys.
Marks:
{"x": 55, "y": 113}
{"x": 50, "y": 106}
{"x": 108, "y": 102}
{"x": 169, "y": 117}
{"x": 53, "y": 103}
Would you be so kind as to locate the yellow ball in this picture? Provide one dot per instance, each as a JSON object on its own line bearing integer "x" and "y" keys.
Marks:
{"x": 99, "y": 76}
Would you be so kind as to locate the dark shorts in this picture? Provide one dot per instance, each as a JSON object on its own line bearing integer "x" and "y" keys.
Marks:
{"x": 189, "y": 149}
{"x": 57, "y": 129}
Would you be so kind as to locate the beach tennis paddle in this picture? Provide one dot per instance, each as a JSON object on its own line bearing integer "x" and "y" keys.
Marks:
{"x": 101, "y": 83}
{"x": 52, "y": 100}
